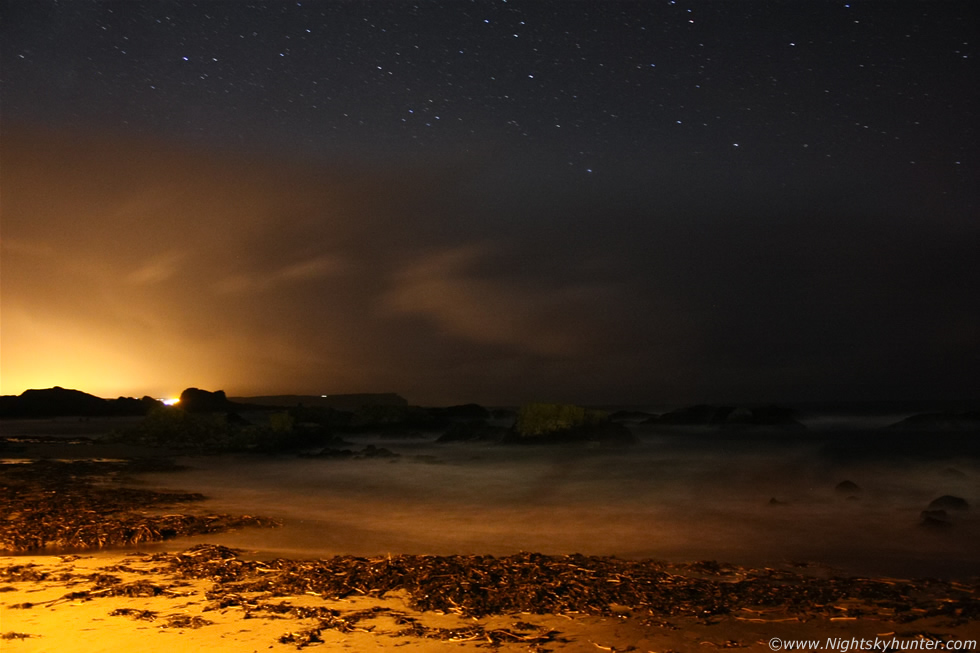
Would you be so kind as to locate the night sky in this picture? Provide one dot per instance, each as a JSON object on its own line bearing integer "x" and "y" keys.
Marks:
{"x": 650, "y": 202}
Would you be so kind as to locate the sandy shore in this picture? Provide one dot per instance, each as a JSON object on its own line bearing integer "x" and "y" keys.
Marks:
{"x": 211, "y": 598}
{"x": 128, "y": 602}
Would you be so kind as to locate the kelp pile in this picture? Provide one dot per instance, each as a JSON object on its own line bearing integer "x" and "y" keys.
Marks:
{"x": 478, "y": 586}
{"x": 518, "y": 586}
{"x": 83, "y": 504}
{"x": 528, "y": 583}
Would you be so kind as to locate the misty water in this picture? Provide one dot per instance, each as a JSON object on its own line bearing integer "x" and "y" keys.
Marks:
{"x": 755, "y": 499}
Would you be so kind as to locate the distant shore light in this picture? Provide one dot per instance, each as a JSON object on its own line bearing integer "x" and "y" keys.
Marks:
{"x": 171, "y": 401}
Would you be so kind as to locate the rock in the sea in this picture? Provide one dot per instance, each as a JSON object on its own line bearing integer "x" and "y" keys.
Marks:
{"x": 776, "y": 502}
{"x": 566, "y": 423}
{"x": 474, "y": 431}
{"x": 772, "y": 416}
{"x": 700, "y": 415}
{"x": 968, "y": 421}
{"x": 461, "y": 412}
{"x": 631, "y": 416}
{"x": 849, "y": 488}
{"x": 730, "y": 417}
{"x": 371, "y": 451}
{"x": 949, "y": 502}
{"x": 394, "y": 418}
{"x": 938, "y": 519}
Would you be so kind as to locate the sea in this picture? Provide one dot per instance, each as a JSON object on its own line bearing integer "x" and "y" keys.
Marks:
{"x": 761, "y": 498}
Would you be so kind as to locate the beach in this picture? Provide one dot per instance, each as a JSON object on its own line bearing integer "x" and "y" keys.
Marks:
{"x": 469, "y": 547}
{"x": 127, "y": 602}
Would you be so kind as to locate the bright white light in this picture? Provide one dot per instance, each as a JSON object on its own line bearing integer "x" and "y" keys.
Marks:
{"x": 171, "y": 401}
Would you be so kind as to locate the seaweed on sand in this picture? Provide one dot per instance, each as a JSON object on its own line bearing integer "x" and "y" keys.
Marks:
{"x": 519, "y": 585}
{"x": 478, "y": 586}
{"x": 74, "y": 505}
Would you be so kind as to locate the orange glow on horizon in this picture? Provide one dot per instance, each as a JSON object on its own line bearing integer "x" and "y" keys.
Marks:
{"x": 88, "y": 359}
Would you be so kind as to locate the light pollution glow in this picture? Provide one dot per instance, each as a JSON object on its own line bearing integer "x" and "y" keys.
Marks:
{"x": 133, "y": 268}
{"x": 52, "y": 353}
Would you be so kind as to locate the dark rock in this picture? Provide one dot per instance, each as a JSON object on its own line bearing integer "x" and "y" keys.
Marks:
{"x": 776, "y": 502}
{"x": 949, "y": 502}
{"x": 131, "y": 406}
{"x": 730, "y": 417}
{"x": 234, "y": 419}
{"x": 765, "y": 416}
{"x": 631, "y": 416}
{"x": 952, "y": 472}
{"x": 194, "y": 400}
{"x": 321, "y": 416}
{"x": 371, "y": 451}
{"x": 394, "y": 418}
{"x": 475, "y": 431}
{"x": 847, "y": 487}
{"x": 700, "y": 415}
{"x": 968, "y": 421}
{"x": 935, "y": 519}
{"x": 464, "y": 411}
{"x": 54, "y": 402}
{"x": 61, "y": 402}
{"x": 544, "y": 423}
{"x": 541, "y": 419}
